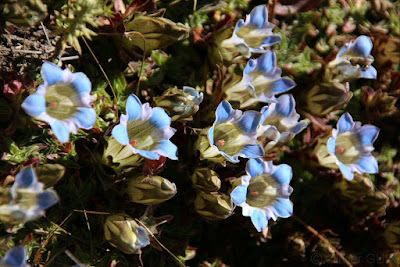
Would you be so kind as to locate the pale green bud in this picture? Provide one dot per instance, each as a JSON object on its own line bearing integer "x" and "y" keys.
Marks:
{"x": 327, "y": 97}
{"x": 119, "y": 157}
{"x": 213, "y": 206}
{"x": 206, "y": 179}
{"x": 158, "y": 33}
{"x": 50, "y": 174}
{"x": 125, "y": 234}
{"x": 181, "y": 105}
{"x": 150, "y": 190}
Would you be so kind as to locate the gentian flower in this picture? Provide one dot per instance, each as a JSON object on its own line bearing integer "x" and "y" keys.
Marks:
{"x": 279, "y": 123}
{"x": 254, "y": 34}
{"x": 233, "y": 134}
{"x": 260, "y": 83}
{"x": 27, "y": 200}
{"x": 351, "y": 146}
{"x": 146, "y": 130}
{"x": 63, "y": 101}
{"x": 15, "y": 257}
{"x": 352, "y": 62}
{"x": 264, "y": 192}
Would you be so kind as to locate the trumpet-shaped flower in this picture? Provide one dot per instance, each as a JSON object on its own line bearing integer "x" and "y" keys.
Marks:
{"x": 146, "y": 130}
{"x": 27, "y": 200}
{"x": 63, "y": 101}
{"x": 264, "y": 192}
{"x": 15, "y": 257}
{"x": 260, "y": 83}
{"x": 352, "y": 62}
{"x": 254, "y": 34}
{"x": 280, "y": 122}
{"x": 350, "y": 147}
{"x": 233, "y": 134}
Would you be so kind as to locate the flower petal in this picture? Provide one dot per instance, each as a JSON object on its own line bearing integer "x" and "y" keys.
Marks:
{"x": 133, "y": 107}
{"x": 259, "y": 220}
{"x": 223, "y": 112}
{"x": 346, "y": 171}
{"x": 47, "y": 199}
{"x": 345, "y": 123}
{"x": 368, "y": 164}
{"x": 283, "y": 174}
{"x": 363, "y": 46}
{"x": 120, "y": 133}
{"x": 331, "y": 145}
{"x": 34, "y": 105}
{"x": 167, "y": 149}
{"x": 266, "y": 62}
{"x": 60, "y": 130}
{"x": 148, "y": 154}
{"x": 283, "y": 207}
{"x": 86, "y": 118}
{"x": 25, "y": 178}
{"x": 253, "y": 151}
{"x": 369, "y": 73}
{"x": 368, "y": 134}
{"x": 258, "y": 16}
{"x": 281, "y": 85}
{"x": 271, "y": 40}
{"x": 82, "y": 83}
{"x": 255, "y": 167}
{"x": 15, "y": 257}
{"x": 239, "y": 194}
{"x": 250, "y": 121}
{"x": 51, "y": 73}
{"x": 160, "y": 118}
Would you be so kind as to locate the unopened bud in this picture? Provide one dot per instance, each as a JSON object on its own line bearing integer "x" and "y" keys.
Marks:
{"x": 213, "y": 206}
{"x": 206, "y": 179}
{"x": 150, "y": 190}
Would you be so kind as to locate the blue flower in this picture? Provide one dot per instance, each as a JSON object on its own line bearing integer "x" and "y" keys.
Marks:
{"x": 233, "y": 134}
{"x": 261, "y": 82}
{"x": 28, "y": 199}
{"x": 264, "y": 192}
{"x": 146, "y": 130}
{"x": 15, "y": 257}
{"x": 351, "y": 146}
{"x": 352, "y": 62}
{"x": 254, "y": 34}
{"x": 279, "y": 123}
{"x": 63, "y": 101}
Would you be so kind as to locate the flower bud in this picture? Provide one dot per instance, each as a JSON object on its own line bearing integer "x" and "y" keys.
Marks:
{"x": 180, "y": 104}
{"x": 327, "y": 97}
{"x": 50, "y": 174}
{"x": 118, "y": 156}
{"x": 206, "y": 179}
{"x": 125, "y": 234}
{"x": 157, "y": 32}
{"x": 150, "y": 190}
{"x": 213, "y": 206}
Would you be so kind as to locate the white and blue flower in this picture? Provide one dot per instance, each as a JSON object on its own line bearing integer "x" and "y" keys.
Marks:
{"x": 233, "y": 135}
{"x": 15, "y": 257}
{"x": 352, "y": 62}
{"x": 63, "y": 101}
{"x": 254, "y": 34}
{"x": 350, "y": 147}
{"x": 279, "y": 123}
{"x": 264, "y": 192}
{"x": 260, "y": 83}
{"x": 146, "y": 130}
{"x": 28, "y": 199}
